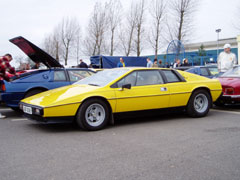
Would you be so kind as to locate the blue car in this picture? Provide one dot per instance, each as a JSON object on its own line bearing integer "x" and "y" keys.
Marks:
{"x": 36, "y": 81}
{"x": 207, "y": 71}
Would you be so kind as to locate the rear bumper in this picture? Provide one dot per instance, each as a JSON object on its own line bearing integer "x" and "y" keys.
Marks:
{"x": 230, "y": 98}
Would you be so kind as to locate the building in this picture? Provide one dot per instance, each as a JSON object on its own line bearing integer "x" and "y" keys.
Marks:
{"x": 210, "y": 49}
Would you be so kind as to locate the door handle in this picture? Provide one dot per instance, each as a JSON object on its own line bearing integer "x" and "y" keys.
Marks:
{"x": 163, "y": 89}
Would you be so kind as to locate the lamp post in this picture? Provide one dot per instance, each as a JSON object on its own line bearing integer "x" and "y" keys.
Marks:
{"x": 218, "y": 31}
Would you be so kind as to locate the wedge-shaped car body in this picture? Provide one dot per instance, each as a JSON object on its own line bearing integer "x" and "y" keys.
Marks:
{"x": 95, "y": 100}
{"x": 35, "y": 81}
{"x": 230, "y": 81}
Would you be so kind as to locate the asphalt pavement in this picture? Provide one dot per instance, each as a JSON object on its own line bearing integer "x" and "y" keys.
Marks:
{"x": 168, "y": 147}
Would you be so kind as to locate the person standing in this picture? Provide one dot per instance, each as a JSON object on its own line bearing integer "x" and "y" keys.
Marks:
{"x": 160, "y": 63}
{"x": 149, "y": 63}
{"x": 121, "y": 63}
{"x": 155, "y": 64}
{"x": 82, "y": 64}
{"x": 36, "y": 66}
{"x": 177, "y": 63}
{"x": 167, "y": 65}
{"x": 185, "y": 62}
{"x": 4, "y": 68}
{"x": 226, "y": 59}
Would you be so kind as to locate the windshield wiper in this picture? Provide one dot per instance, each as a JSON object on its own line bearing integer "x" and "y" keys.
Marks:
{"x": 93, "y": 84}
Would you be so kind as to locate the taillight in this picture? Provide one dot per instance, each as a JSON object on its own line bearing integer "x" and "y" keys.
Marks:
{"x": 2, "y": 87}
{"x": 229, "y": 90}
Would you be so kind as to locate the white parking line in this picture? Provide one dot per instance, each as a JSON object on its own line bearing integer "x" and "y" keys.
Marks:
{"x": 232, "y": 112}
{"x": 23, "y": 119}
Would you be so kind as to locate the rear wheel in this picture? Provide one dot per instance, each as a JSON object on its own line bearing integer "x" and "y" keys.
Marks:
{"x": 33, "y": 92}
{"x": 199, "y": 104}
{"x": 93, "y": 115}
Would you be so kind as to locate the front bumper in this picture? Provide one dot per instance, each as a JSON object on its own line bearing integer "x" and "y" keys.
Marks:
{"x": 50, "y": 120}
{"x": 36, "y": 113}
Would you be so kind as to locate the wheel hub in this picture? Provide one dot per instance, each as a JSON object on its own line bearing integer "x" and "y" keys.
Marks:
{"x": 95, "y": 114}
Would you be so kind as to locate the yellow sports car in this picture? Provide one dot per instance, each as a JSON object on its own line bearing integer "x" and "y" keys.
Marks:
{"x": 96, "y": 100}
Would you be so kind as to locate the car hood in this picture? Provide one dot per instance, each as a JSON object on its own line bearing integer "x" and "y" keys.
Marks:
{"x": 65, "y": 95}
{"x": 34, "y": 52}
{"x": 228, "y": 81}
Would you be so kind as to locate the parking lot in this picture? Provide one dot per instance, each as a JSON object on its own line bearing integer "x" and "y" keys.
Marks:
{"x": 167, "y": 147}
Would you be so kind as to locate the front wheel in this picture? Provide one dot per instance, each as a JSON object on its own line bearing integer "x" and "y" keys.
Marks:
{"x": 93, "y": 115}
{"x": 199, "y": 104}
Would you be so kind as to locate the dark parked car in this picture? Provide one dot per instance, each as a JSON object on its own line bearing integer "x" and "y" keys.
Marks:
{"x": 35, "y": 81}
{"x": 207, "y": 71}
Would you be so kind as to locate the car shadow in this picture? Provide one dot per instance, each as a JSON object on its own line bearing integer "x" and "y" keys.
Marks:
{"x": 230, "y": 107}
{"x": 55, "y": 128}
{"x": 150, "y": 119}
{"x": 119, "y": 122}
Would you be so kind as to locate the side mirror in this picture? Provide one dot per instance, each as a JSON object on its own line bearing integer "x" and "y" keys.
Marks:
{"x": 126, "y": 86}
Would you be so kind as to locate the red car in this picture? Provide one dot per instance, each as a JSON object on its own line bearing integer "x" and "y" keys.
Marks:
{"x": 230, "y": 81}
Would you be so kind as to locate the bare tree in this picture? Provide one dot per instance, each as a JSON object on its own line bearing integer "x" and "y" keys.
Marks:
{"x": 157, "y": 11}
{"x": 140, "y": 20}
{"x": 114, "y": 9}
{"x": 65, "y": 38}
{"x": 96, "y": 30}
{"x": 183, "y": 14}
{"x": 69, "y": 34}
{"x": 127, "y": 31}
{"x": 78, "y": 47}
{"x": 52, "y": 44}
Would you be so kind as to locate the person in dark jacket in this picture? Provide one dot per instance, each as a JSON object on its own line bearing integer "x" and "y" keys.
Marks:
{"x": 185, "y": 62}
{"x": 36, "y": 66}
{"x": 82, "y": 64}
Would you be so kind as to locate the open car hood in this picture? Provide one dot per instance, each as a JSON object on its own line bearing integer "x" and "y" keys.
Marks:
{"x": 35, "y": 53}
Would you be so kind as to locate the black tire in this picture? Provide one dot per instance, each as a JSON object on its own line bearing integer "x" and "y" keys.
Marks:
{"x": 33, "y": 92}
{"x": 86, "y": 115}
{"x": 199, "y": 104}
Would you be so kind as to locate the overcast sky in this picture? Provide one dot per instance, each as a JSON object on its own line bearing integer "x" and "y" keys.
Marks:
{"x": 34, "y": 19}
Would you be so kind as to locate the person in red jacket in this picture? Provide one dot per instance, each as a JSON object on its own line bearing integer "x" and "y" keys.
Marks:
{"x": 4, "y": 68}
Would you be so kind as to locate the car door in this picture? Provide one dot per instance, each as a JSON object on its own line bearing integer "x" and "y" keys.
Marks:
{"x": 59, "y": 78}
{"x": 178, "y": 88}
{"x": 148, "y": 91}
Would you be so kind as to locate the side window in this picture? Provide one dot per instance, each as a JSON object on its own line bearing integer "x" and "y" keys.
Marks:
{"x": 204, "y": 71}
{"x": 76, "y": 75}
{"x": 60, "y": 76}
{"x": 148, "y": 78}
{"x": 171, "y": 76}
{"x": 129, "y": 79}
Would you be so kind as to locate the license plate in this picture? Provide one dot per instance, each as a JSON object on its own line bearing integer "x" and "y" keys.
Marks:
{"x": 27, "y": 110}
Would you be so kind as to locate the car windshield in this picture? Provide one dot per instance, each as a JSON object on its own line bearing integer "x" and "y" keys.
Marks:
{"x": 234, "y": 72}
{"x": 213, "y": 70}
{"x": 103, "y": 78}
